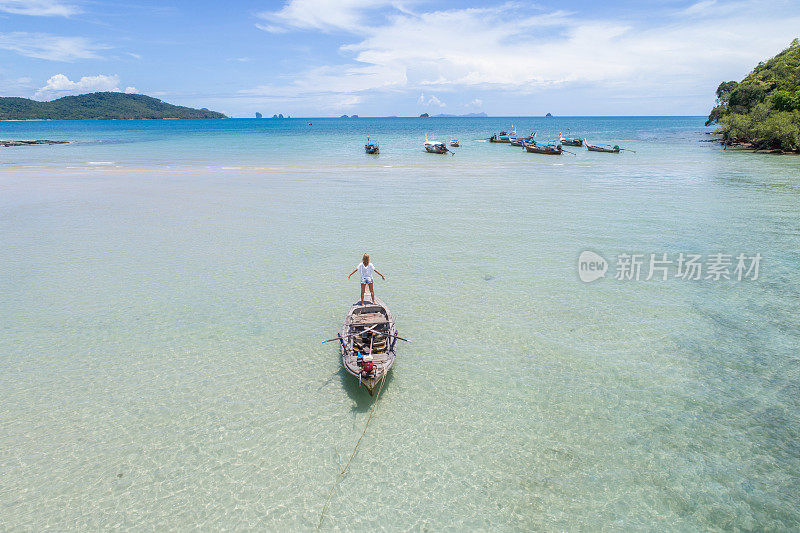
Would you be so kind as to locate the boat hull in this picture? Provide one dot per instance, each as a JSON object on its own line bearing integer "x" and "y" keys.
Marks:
{"x": 604, "y": 150}
{"x": 435, "y": 149}
{"x": 372, "y": 149}
{"x": 572, "y": 142}
{"x": 544, "y": 150}
{"x": 502, "y": 137}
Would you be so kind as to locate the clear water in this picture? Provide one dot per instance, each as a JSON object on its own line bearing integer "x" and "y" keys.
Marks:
{"x": 161, "y": 316}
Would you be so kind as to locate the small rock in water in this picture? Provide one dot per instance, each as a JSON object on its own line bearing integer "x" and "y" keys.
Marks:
{"x": 119, "y": 475}
{"x": 488, "y": 277}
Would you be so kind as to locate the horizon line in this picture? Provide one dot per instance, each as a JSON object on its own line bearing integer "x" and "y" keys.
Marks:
{"x": 466, "y": 116}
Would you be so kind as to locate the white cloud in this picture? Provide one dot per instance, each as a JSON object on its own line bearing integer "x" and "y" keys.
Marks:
{"x": 346, "y": 102}
{"x": 331, "y": 80}
{"x": 61, "y": 85}
{"x": 699, "y": 7}
{"x": 324, "y": 15}
{"x": 50, "y": 47}
{"x": 477, "y": 103}
{"x": 432, "y": 101}
{"x": 9, "y": 86}
{"x": 513, "y": 48}
{"x": 39, "y": 8}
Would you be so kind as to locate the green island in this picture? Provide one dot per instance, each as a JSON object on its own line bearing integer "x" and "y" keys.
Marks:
{"x": 96, "y": 106}
{"x": 762, "y": 112}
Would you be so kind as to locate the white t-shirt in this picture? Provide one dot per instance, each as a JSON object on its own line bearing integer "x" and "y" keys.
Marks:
{"x": 366, "y": 271}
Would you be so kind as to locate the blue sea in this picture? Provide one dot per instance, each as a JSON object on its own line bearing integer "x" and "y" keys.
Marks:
{"x": 165, "y": 287}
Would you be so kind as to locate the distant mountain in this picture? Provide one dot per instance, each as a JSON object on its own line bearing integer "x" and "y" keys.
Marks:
{"x": 468, "y": 115}
{"x": 105, "y": 105}
{"x": 424, "y": 115}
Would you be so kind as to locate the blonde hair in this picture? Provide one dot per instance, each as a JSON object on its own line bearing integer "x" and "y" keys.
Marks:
{"x": 365, "y": 259}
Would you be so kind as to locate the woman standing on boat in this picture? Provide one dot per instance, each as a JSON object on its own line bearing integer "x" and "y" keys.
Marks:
{"x": 365, "y": 270}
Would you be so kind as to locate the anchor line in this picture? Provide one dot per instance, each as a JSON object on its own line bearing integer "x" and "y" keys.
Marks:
{"x": 347, "y": 466}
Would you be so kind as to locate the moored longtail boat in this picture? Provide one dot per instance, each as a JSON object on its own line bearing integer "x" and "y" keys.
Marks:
{"x": 547, "y": 149}
{"x": 454, "y": 143}
{"x": 518, "y": 141}
{"x": 569, "y": 141}
{"x": 435, "y": 147}
{"x": 371, "y": 147}
{"x": 609, "y": 150}
{"x": 503, "y": 136}
{"x": 368, "y": 342}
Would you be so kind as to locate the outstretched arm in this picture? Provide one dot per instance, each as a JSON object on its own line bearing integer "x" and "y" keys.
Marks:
{"x": 381, "y": 275}
{"x": 351, "y": 273}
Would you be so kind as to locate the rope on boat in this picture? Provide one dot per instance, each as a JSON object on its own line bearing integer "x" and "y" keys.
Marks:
{"x": 343, "y": 471}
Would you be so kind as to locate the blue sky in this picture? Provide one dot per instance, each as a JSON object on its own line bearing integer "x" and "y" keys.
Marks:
{"x": 387, "y": 57}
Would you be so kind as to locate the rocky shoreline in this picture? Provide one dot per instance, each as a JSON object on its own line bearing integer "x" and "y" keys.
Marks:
{"x": 29, "y": 143}
{"x": 753, "y": 147}
{"x": 756, "y": 148}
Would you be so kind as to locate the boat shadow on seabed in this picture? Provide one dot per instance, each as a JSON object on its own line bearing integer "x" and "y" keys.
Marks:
{"x": 362, "y": 400}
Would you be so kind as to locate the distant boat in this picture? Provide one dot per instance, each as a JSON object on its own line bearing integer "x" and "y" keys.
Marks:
{"x": 609, "y": 150}
{"x": 372, "y": 147}
{"x": 570, "y": 141}
{"x": 503, "y": 136}
{"x": 517, "y": 141}
{"x": 435, "y": 147}
{"x": 546, "y": 149}
{"x": 454, "y": 143}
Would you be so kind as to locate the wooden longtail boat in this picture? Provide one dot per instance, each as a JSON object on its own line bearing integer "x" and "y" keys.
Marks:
{"x": 372, "y": 147}
{"x": 454, "y": 143}
{"x": 518, "y": 141}
{"x": 368, "y": 341}
{"x": 435, "y": 147}
{"x": 547, "y": 149}
{"x": 503, "y": 136}
{"x": 569, "y": 141}
{"x": 593, "y": 148}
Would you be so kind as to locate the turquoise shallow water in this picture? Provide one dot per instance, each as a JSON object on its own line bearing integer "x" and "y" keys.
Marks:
{"x": 162, "y": 312}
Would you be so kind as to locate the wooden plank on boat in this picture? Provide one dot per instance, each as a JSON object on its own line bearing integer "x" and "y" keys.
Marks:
{"x": 365, "y": 319}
